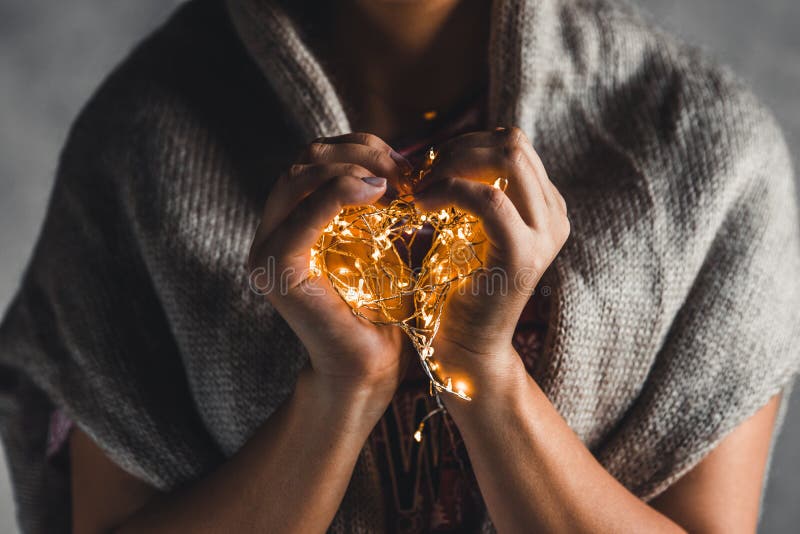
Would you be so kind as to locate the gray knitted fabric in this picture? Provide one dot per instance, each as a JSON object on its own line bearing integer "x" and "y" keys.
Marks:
{"x": 676, "y": 307}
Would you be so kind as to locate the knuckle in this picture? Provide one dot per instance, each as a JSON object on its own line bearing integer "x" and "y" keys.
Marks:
{"x": 378, "y": 158}
{"x": 566, "y": 228}
{"x": 512, "y": 137}
{"x": 515, "y": 155}
{"x": 353, "y": 169}
{"x": 516, "y": 136}
{"x": 556, "y": 234}
{"x": 295, "y": 170}
{"x": 539, "y": 263}
{"x": 317, "y": 150}
{"x": 494, "y": 199}
{"x": 369, "y": 139}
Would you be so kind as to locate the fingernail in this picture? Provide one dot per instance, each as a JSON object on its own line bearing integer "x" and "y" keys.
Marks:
{"x": 375, "y": 181}
{"x": 401, "y": 161}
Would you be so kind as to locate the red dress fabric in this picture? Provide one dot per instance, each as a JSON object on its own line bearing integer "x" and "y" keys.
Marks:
{"x": 429, "y": 486}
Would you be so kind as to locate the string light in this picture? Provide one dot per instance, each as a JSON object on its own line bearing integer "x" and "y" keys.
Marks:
{"x": 421, "y": 426}
{"x": 365, "y": 252}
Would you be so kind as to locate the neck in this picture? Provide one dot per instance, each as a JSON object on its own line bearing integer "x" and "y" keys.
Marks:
{"x": 406, "y": 30}
{"x": 393, "y": 60}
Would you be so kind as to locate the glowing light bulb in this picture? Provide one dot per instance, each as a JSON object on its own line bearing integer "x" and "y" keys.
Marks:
{"x": 501, "y": 183}
{"x": 351, "y": 295}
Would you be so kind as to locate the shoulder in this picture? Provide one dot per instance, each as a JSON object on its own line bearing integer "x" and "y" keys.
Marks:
{"x": 187, "y": 114}
{"x": 674, "y": 111}
{"x": 188, "y": 85}
{"x": 664, "y": 144}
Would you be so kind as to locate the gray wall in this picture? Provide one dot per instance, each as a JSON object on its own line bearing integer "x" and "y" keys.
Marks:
{"x": 53, "y": 54}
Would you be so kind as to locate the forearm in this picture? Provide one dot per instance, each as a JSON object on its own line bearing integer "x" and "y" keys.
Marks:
{"x": 289, "y": 477}
{"x": 534, "y": 472}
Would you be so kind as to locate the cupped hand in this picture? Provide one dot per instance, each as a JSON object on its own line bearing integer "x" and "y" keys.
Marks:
{"x": 525, "y": 225}
{"x": 345, "y": 351}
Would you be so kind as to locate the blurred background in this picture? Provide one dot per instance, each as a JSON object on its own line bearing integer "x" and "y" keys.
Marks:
{"x": 54, "y": 54}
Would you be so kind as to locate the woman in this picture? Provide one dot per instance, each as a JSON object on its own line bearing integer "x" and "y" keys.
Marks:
{"x": 633, "y": 384}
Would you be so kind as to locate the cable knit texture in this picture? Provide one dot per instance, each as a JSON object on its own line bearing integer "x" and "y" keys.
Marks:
{"x": 675, "y": 308}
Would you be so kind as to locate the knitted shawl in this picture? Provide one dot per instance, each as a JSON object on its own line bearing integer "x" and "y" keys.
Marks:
{"x": 676, "y": 307}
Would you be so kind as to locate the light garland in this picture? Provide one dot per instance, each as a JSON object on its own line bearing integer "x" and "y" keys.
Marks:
{"x": 366, "y": 254}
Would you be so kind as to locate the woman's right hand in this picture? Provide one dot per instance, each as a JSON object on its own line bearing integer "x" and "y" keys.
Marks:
{"x": 346, "y": 352}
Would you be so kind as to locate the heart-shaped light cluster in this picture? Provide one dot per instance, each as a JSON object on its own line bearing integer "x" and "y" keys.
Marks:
{"x": 366, "y": 254}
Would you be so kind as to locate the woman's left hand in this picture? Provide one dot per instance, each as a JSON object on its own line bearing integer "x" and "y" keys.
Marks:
{"x": 525, "y": 225}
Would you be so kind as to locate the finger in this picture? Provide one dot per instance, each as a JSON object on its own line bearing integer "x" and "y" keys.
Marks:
{"x": 315, "y": 297}
{"x": 297, "y": 183}
{"x": 372, "y": 140}
{"x": 359, "y": 138}
{"x": 562, "y": 204}
{"x": 302, "y": 296}
{"x": 499, "y": 217}
{"x": 295, "y": 295}
{"x": 293, "y": 238}
{"x": 485, "y": 165}
{"x": 548, "y": 189}
{"x": 508, "y": 139}
{"x": 381, "y": 160}
{"x": 482, "y": 138}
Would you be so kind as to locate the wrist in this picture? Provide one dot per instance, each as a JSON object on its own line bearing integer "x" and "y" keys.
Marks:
{"x": 353, "y": 401}
{"x": 499, "y": 395}
{"x": 496, "y": 374}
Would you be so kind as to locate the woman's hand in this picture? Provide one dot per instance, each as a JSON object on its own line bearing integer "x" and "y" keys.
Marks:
{"x": 346, "y": 352}
{"x": 525, "y": 225}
